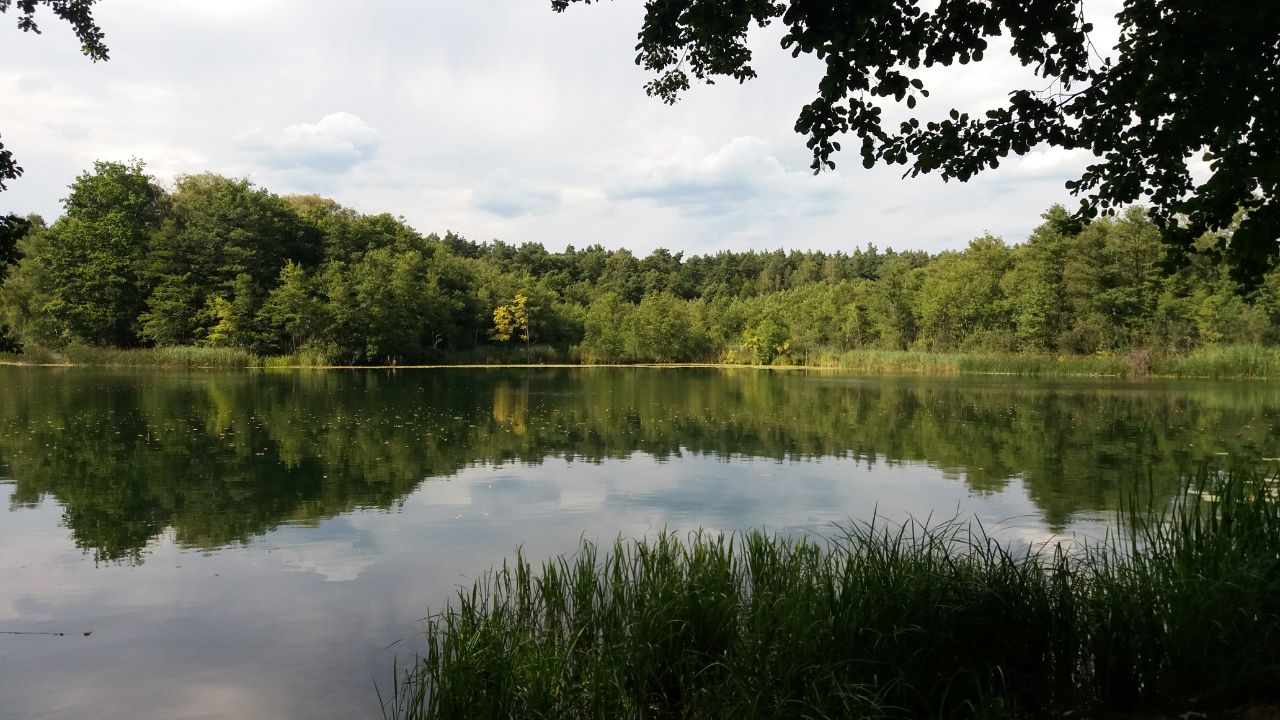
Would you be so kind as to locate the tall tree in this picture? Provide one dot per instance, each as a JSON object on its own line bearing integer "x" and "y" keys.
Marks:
{"x": 1191, "y": 79}
{"x": 960, "y": 299}
{"x": 1034, "y": 284}
{"x": 294, "y": 310}
{"x": 12, "y": 229}
{"x": 95, "y": 250}
{"x": 219, "y": 230}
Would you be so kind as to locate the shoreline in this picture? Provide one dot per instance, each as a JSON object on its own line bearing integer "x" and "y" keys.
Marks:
{"x": 891, "y": 364}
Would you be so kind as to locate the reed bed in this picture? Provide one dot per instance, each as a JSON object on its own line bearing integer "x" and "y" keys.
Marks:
{"x": 305, "y": 358}
{"x": 1224, "y": 361}
{"x": 32, "y": 356}
{"x": 1179, "y": 610}
{"x": 919, "y": 362}
{"x": 161, "y": 357}
{"x": 1218, "y": 362}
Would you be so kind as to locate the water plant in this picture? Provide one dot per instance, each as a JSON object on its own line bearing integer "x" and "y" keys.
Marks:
{"x": 1179, "y": 608}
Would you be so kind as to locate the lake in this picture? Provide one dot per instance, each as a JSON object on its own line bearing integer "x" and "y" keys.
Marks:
{"x": 264, "y": 544}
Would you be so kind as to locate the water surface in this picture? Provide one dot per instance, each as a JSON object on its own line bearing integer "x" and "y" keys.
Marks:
{"x": 264, "y": 544}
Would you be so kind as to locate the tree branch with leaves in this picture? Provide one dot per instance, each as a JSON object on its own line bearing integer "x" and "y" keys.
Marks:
{"x": 77, "y": 13}
{"x": 1192, "y": 81}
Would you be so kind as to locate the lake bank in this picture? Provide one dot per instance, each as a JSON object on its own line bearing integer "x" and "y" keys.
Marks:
{"x": 1224, "y": 362}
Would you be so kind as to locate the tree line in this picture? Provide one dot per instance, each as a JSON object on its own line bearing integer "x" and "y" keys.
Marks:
{"x": 220, "y": 262}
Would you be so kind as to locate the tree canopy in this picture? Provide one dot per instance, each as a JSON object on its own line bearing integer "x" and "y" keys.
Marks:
{"x": 221, "y": 262}
{"x": 1191, "y": 80}
{"x": 79, "y": 14}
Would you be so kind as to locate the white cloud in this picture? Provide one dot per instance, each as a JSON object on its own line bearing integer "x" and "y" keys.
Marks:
{"x": 336, "y": 144}
{"x": 437, "y": 96}
{"x": 337, "y": 560}
{"x": 506, "y": 195}
{"x": 743, "y": 176}
{"x": 1052, "y": 162}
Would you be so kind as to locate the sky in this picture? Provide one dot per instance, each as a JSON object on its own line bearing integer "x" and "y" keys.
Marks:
{"x": 495, "y": 119}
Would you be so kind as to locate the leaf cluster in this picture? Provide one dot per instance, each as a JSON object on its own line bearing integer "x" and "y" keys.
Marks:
{"x": 1191, "y": 79}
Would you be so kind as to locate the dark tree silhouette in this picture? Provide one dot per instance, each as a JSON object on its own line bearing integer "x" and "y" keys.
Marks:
{"x": 1191, "y": 79}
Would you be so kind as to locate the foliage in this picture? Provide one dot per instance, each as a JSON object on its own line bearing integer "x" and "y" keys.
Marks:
{"x": 94, "y": 255}
{"x": 1141, "y": 114}
{"x": 511, "y": 321}
{"x": 222, "y": 238}
{"x": 293, "y": 309}
{"x": 12, "y": 229}
{"x": 220, "y": 262}
{"x": 915, "y": 620}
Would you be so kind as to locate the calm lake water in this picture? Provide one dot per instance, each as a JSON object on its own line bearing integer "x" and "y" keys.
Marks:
{"x": 262, "y": 545}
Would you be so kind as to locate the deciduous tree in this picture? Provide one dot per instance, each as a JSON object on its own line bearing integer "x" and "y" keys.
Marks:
{"x": 94, "y": 253}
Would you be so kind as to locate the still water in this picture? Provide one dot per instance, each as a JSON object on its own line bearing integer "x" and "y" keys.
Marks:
{"x": 263, "y": 545}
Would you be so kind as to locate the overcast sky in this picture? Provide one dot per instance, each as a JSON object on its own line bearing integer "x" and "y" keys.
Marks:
{"x": 492, "y": 118}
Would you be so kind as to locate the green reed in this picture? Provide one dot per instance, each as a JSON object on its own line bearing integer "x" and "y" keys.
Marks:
{"x": 1180, "y": 609}
{"x": 161, "y": 357}
{"x": 912, "y": 362}
{"x": 1224, "y": 361}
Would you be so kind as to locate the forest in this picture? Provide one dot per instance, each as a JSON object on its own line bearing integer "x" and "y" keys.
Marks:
{"x": 219, "y": 262}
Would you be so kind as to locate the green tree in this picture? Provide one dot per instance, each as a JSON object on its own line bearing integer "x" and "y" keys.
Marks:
{"x": 24, "y": 294}
{"x": 12, "y": 229}
{"x": 1222, "y": 316}
{"x": 219, "y": 230}
{"x": 222, "y": 314}
{"x": 960, "y": 299}
{"x": 622, "y": 275}
{"x": 892, "y": 302}
{"x": 1128, "y": 273}
{"x": 857, "y": 320}
{"x": 1034, "y": 284}
{"x": 386, "y": 305}
{"x": 94, "y": 253}
{"x": 607, "y": 329}
{"x": 665, "y": 329}
{"x": 294, "y": 310}
{"x": 766, "y": 340}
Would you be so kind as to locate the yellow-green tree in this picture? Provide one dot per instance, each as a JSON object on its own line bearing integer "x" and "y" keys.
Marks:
{"x": 512, "y": 320}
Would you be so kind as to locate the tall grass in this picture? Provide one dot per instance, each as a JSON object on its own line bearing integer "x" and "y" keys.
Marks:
{"x": 33, "y": 356}
{"x": 918, "y": 362}
{"x": 1180, "y": 610}
{"x": 1239, "y": 361}
{"x": 1224, "y": 361}
{"x": 305, "y": 358}
{"x": 161, "y": 357}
